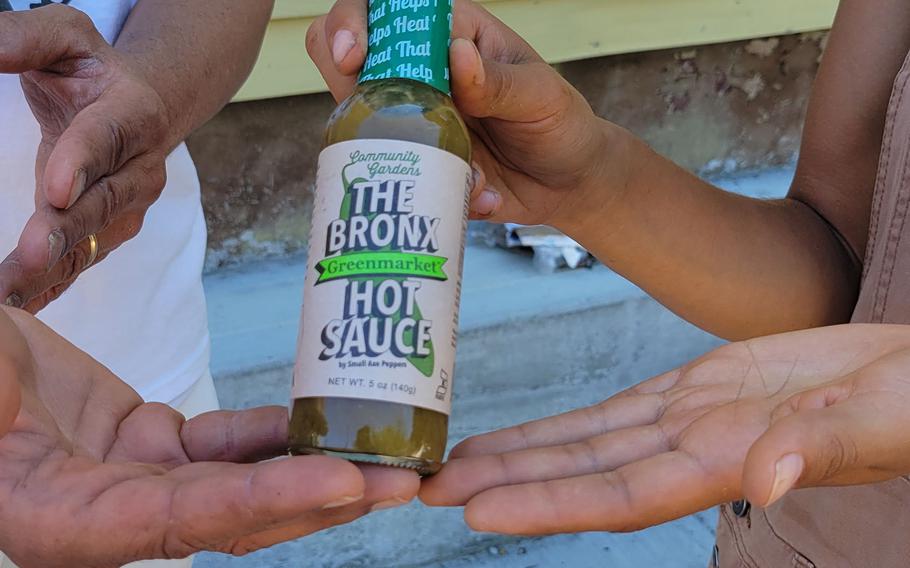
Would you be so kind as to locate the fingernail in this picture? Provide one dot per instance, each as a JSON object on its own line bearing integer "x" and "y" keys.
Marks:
{"x": 77, "y": 188}
{"x": 13, "y": 301}
{"x": 786, "y": 473}
{"x": 487, "y": 203}
{"x": 388, "y": 504}
{"x": 480, "y": 74}
{"x": 342, "y": 45}
{"x": 342, "y": 502}
{"x": 475, "y": 172}
{"x": 56, "y": 243}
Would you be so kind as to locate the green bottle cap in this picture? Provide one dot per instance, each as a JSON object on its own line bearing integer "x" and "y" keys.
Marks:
{"x": 409, "y": 39}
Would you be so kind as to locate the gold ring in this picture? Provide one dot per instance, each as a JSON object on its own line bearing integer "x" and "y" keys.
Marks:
{"x": 92, "y": 251}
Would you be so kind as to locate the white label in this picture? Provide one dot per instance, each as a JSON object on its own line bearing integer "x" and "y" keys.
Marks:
{"x": 380, "y": 310}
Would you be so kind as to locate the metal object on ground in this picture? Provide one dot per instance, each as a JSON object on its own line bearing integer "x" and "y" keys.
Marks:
{"x": 552, "y": 249}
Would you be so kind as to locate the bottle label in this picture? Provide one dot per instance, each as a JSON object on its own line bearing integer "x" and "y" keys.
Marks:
{"x": 381, "y": 297}
{"x": 409, "y": 39}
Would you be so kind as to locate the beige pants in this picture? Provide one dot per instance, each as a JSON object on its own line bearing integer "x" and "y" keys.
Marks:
{"x": 199, "y": 400}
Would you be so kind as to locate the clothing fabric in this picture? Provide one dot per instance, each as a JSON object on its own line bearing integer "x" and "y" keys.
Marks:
{"x": 142, "y": 311}
{"x": 850, "y": 527}
{"x": 201, "y": 398}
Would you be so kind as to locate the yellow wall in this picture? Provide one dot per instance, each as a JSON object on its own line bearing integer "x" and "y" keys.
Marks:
{"x": 562, "y": 30}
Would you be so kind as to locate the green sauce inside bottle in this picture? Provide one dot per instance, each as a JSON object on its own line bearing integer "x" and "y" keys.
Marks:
{"x": 403, "y": 96}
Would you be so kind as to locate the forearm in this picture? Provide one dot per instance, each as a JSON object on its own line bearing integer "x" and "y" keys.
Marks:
{"x": 195, "y": 54}
{"x": 735, "y": 266}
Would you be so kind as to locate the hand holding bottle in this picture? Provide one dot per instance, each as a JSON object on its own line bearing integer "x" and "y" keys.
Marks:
{"x": 537, "y": 143}
{"x": 548, "y": 159}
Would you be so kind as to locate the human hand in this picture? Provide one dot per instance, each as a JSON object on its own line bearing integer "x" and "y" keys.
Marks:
{"x": 101, "y": 162}
{"x": 756, "y": 420}
{"x": 91, "y": 476}
{"x": 539, "y": 148}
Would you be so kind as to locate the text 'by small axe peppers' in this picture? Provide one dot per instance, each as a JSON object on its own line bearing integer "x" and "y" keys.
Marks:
{"x": 376, "y": 354}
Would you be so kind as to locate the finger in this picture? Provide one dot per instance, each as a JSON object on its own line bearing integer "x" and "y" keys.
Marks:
{"x": 49, "y": 38}
{"x": 576, "y": 426}
{"x": 636, "y": 496}
{"x": 100, "y": 140}
{"x": 341, "y": 85}
{"x": 385, "y": 488}
{"x": 145, "y": 434}
{"x": 192, "y": 508}
{"x": 212, "y": 506}
{"x": 478, "y": 180}
{"x": 34, "y": 293}
{"x": 51, "y": 233}
{"x": 247, "y": 436}
{"x": 64, "y": 274}
{"x": 830, "y": 436}
{"x": 37, "y": 304}
{"x": 329, "y": 37}
{"x": 485, "y": 201}
{"x": 45, "y": 147}
{"x": 462, "y": 479}
{"x": 486, "y": 88}
{"x": 471, "y": 21}
{"x": 346, "y": 35}
{"x": 26, "y": 291}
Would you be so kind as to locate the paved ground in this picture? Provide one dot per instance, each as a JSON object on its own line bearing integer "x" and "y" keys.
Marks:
{"x": 532, "y": 345}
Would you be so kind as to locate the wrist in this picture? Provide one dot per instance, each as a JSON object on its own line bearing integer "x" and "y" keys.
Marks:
{"x": 174, "y": 115}
{"x": 596, "y": 205}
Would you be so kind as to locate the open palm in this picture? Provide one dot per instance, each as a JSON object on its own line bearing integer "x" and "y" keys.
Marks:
{"x": 755, "y": 419}
{"x": 91, "y": 476}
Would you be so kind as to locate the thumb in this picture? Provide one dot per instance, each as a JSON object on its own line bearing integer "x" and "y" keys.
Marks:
{"x": 346, "y": 35}
{"x": 337, "y": 45}
{"x": 10, "y": 395}
{"x": 524, "y": 92}
{"x": 101, "y": 138}
{"x": 824, "y": 438}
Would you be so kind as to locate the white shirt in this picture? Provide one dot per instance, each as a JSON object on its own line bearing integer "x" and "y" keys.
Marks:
{"x": 142, "y": 311}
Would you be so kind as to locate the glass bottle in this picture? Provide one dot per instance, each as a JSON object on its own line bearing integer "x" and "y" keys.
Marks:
{"x": 376, "y": 354}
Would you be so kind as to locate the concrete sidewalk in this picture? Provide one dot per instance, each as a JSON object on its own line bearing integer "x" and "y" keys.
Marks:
{"x": 532, "y": 345}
